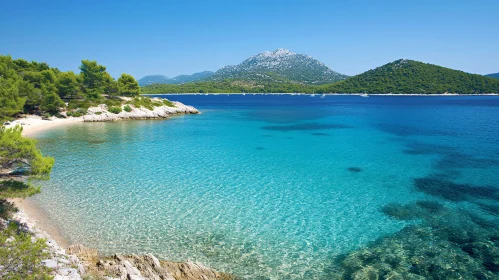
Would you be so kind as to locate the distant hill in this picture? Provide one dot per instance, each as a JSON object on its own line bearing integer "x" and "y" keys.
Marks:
{"x": 191, "y": 78}
{"x": 495, "y": 75}
{"x": 280, "y": 66}
{"x": 409, "y": 76}
{"x": 160, "y": 79}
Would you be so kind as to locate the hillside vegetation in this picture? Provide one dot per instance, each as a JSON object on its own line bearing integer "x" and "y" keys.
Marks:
{"x": 409, "y": 76}
{"x": 33, "y": 87}
{"x": 398, "y": 77}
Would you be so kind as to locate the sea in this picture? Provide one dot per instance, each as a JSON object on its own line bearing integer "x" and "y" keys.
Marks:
{"x": 286, "y": 186}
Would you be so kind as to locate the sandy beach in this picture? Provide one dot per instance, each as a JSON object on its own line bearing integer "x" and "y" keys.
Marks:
{"x": 35, "y": 124}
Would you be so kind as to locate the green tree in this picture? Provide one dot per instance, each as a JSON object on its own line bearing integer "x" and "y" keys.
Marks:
{"x": 94, "y": 79}
{"x": 51, "y": 102}
{"x": 111, "y": 86}
{"x": 128, "y": 85}
{"x": 11, "y": 102}
{"x": 68, "y": 85}
{"x": 20, "y": 153}
{"x": 48, "y": 77}
{"x": 20, "y": 253}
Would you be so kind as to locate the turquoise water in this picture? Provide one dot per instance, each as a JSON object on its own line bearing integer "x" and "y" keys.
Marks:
{"x": 269, "y": 187}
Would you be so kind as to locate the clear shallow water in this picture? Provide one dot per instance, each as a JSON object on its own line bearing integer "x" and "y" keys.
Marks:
{"x": 265, "y": 186}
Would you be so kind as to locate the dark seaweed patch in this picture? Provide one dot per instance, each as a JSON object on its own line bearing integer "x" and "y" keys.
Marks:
{"x": 304, "y": 127}
{"x": 455, "y": 192}
{"x": 320, "y": 134}
{"x": 447, "y": 243}
{"x": 430, "y": 206}
{"x": 96, "y": 142}
{"x": 401, "y": 212}
{"x": 259, "y": 148}
{"x": 273, "y": 115}
{"x": 404, "y": 130}
{"x": 489, "y": 207}
{"x": 450, "y": 158}
{"x": 354, "y": 169}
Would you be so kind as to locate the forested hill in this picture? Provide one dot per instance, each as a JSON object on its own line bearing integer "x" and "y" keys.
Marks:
{"x": 495, "y": 75}
{"x": 401, "y": 76}
{"x": 37, "y": 88}
{"x": 409, "y": 76}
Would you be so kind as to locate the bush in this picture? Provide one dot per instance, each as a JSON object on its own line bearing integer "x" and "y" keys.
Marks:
{"x": 98, "y": 113}
{"x": 21, "y": 256}
{"x": 112, "y": 102}
{"x": 115, "y": 110}
{"x": 77, "y": 113}
{"x": 85, "y": 104}
{"x": 45, "y": 116}
{"x": 127, "y": 108}
{"x": 168, "y": 103}
{"x": 145, "y": 102}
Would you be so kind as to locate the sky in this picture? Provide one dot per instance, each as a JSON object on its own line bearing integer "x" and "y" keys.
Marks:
{"x": 183, "y": 37}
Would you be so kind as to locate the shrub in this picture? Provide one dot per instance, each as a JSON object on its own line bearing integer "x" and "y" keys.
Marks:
{"x": 45, "y": 116}
{"x": 77, "y": 113}
{"x": 85, "y": 104}
{"x": 145, "y": 102}
{"x": 21, "y": 257}
{"x": 127, "y": 108}
{"x": 168, "y": 103}
{"x": 98, "y": 113}
{"x": 112, "y": 102}
{"x": 115, "y": 110}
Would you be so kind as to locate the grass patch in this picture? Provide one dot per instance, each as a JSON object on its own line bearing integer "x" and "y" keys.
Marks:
{"x": 145, "y": 102}
{"x": 168, "y": 103}
{"x": 115, "y": 110}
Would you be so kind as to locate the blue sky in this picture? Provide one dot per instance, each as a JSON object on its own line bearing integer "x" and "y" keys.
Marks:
{"x": 182, "y": 37}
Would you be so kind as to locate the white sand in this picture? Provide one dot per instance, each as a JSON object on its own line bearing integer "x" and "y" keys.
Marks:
{"x": 34, "y": 124}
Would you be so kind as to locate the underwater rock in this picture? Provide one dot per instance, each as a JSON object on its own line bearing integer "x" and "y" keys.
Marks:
{"x": 449, "y": 190}
{"x": 354, "y": 169}
{"x": 448, "y": 243}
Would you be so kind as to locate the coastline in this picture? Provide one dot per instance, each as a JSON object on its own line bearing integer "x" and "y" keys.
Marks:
{"x": 36, "y": 216}
{"x": 33, "y": 124}
{"x": 74, "y": 261}
{"x": 335, "y": 94}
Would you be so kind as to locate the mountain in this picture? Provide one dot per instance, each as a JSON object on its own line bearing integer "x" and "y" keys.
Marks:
{"x": 191, "y": 78}
{"x": 495, "y": 75}
{"x": 160, "y": 79}
{"x": 409, "y": 76}
{"x": 280, "y": 65}
{"x": 153, "y": 79}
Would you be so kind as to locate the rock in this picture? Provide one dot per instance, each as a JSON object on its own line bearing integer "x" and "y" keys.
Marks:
{"x": 50, "y": 263}
{"x": 83, "y": 253}
{"x": 101, "y": 113}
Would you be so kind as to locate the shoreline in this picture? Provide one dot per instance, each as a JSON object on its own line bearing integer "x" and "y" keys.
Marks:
{"x": 335, "y": 94}
{"x": 40, "y": 220}
{"x": 33, "y": 124}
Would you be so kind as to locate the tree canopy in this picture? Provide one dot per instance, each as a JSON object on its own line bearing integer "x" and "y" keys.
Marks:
{"x": 19, "y": 154}
{"x": 128, "y": 86}
{"x": 33, "y": 87}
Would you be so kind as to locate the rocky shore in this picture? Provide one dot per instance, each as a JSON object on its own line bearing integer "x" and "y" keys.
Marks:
{"x": 33, "y": 124}
{"x": 102, "y": 114}
{"x": 79, "y": 262}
